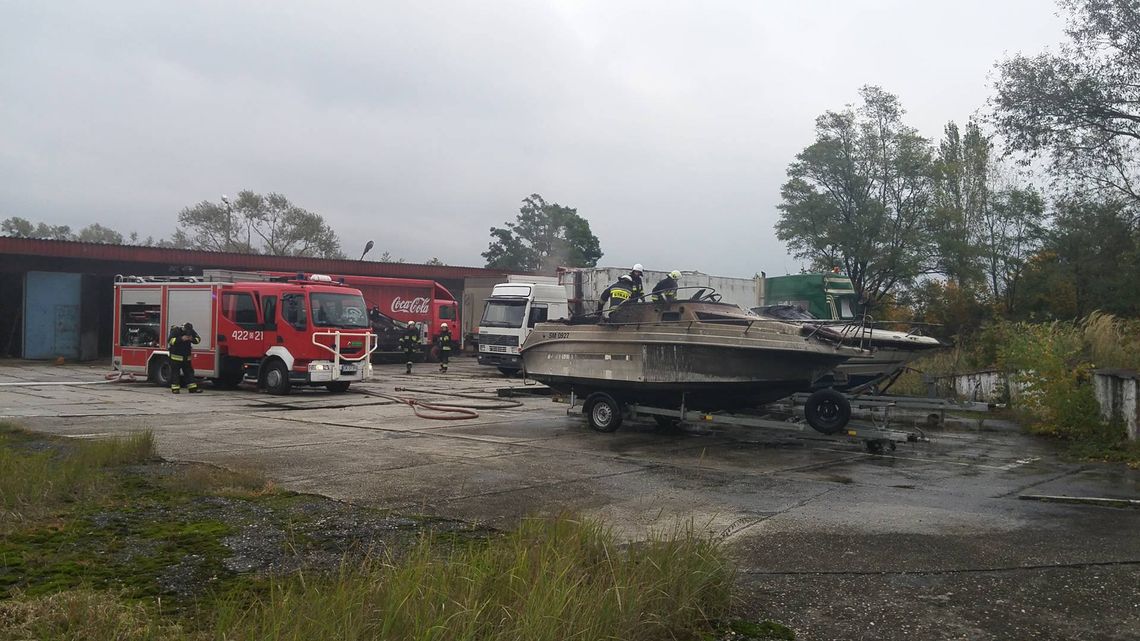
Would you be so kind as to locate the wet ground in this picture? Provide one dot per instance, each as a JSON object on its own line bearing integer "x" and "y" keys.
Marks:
{"x": 929, "y": 542}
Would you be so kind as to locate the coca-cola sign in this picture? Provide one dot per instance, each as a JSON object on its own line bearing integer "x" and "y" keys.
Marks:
{"x": 417, "y": 305}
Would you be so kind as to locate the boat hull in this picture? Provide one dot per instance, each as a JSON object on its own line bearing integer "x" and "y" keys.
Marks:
{"x": 709, "y": 367}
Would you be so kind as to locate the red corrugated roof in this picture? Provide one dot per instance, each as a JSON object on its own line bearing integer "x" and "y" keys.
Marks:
{"x": 222, "y": 260}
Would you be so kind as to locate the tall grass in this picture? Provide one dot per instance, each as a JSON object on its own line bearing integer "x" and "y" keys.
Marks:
{"x": 39, "y": 480}
{"x": 557, "y": 578}
{"x": 84, "y": 615}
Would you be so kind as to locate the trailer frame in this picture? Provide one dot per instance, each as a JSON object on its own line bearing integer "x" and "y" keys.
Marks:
{"x": 877, "y": 438}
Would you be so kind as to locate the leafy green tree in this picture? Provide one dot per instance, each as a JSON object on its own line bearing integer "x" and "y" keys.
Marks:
{"x": 96, "y": 233}
{"x": 961, "y": 202}
{"x": 861, "y": 195}
{"x": 435, "y": 261}
{"x": 1011, "y": 228}
{"x": 257, "y": 224}
{"x": 543, "y": 237}
{"x": 1080, "y": 105}
{"x": 16, "y": 227}
{"x": 1088, "y": 261}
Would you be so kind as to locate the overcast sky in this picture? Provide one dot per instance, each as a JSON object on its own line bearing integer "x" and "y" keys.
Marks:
{"x": 668, "y": 125}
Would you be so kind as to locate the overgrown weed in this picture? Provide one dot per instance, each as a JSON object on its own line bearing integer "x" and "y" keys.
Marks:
{"x": 551, "y": 578}
{"x": 37, "y": 481}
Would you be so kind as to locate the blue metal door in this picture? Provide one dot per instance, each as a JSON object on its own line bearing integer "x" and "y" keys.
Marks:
{"x": 51, "y": 315}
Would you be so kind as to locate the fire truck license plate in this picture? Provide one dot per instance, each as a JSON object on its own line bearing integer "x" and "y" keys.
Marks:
{"x": 348, "y": 369}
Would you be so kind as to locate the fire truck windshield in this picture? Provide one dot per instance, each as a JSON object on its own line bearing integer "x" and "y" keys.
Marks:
{"x": 339, "y": 310}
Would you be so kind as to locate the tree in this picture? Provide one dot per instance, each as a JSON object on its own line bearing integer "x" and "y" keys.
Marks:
{"x": 961, "y": 200}
{"x": 1088, "y": 260}
{"x": 860, "y": 196}
{"x": 387, "y": 257}
{"x": 1081, "y": 105}
{"x": 435, "y": 261}
{"x": 257, "y": 224}
{"x": 1011, "y": 229}
{"x": 17, "y": 227}
{"x": 96, "y": 233}
{"x": 543, "y": 237}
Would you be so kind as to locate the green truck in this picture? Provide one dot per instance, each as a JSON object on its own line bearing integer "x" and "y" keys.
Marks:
{"x": 828, "y": 296}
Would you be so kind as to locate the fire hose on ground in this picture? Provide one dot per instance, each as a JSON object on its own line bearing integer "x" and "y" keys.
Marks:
{"x": 445, "y": 411}
{"x": 111, "y": 377}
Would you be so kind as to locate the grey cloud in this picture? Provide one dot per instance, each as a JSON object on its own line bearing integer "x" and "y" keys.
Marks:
{"x": 668, "y": 125}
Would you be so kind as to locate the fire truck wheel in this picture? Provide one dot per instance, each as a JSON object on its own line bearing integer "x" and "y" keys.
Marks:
{"x": 276, "y": 377}
{"x": 337, "y": 387}
{"x": 160, "y": 372}
{"x": 432, "y": 355}
{"x": 231, "y": 375}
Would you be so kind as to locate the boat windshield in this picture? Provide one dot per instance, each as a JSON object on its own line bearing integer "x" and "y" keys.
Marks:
{"x": 784, "y": 312}
{"x": 504, "y": 313}
{"x": 339, "y": 310}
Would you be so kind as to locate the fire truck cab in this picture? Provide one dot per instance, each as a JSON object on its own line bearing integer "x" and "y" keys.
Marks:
{"x": 275, "y": 334}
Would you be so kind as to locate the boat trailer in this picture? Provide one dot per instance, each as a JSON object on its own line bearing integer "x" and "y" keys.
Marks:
{"x": 877, "y": 435}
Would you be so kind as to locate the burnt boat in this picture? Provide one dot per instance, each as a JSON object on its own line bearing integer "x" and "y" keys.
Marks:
{"x": 885, "y": 355}
{"x": 699, "y": 352}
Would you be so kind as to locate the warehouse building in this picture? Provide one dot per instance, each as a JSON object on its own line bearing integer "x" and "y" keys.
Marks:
{"x": 57, "y": 297}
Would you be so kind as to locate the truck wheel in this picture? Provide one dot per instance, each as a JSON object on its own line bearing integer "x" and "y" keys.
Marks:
{"x": 232, "y": 374}
{"x": 827, "y": 411}
{"x": 431, "y": 355}
{"x": 509, "y": 371}
{"x": 337, "y": 387}
{"x": 276, "y": 378}
{"x": 160, "y": 371}
{"x": 603, "y": 412}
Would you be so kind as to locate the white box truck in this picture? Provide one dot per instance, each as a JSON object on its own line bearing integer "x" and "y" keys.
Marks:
{"x": 511, "y": 312}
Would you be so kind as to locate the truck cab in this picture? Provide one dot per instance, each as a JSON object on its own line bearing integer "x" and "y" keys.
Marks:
{"x": 508, "y": 317}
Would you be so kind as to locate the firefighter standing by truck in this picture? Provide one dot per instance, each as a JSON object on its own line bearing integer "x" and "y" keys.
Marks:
{"x": 410, "y": 343}
{"x": 181, "y": 341}
{"x": 444, "y": 341}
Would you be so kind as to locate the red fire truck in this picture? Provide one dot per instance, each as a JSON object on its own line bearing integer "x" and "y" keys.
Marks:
{"x": 276, "y": 334}
{"x": 408, "y": 300}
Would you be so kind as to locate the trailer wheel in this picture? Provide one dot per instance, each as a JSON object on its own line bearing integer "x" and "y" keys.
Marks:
{"x": 276, "y": 378}
{"x": 603, "y": 412}
{"x": 337, "y": 387}
{"x": 827, "y": 411}
{"x": 160, "y": 371}
{"x": 667, "y": 423}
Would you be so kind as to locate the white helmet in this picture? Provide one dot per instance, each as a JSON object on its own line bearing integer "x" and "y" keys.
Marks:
{"x": 638, "y": 268}
{"x": 443, "y": 325}
{"x": 624, "y": 277}
{"x": 674, "y": 274}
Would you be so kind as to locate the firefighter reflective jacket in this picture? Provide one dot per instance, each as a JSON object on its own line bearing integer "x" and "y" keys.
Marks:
{"x": 665, "y": 289}
{"x": 444, "y": 339}
{"x": 410, "y": 341}
{"x": 180, "y": 349}
{"x": 616, "y": 294}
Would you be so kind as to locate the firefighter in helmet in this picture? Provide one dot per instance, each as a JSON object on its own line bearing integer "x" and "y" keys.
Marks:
{"x": 616, "y": 294}
{"x": 637, "y": 292}
{"x": 180, "y": 342}
{"x": 444, "y": 342}
{"x": 666, "y": 288}
{"x": 410, "y": 343}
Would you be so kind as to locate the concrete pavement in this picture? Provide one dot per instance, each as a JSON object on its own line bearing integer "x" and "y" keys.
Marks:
{"x": 928, "y": 542}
